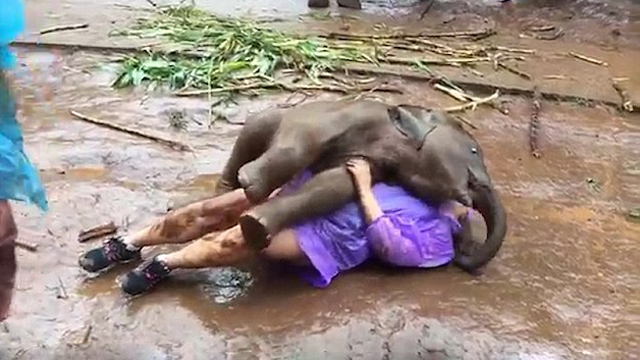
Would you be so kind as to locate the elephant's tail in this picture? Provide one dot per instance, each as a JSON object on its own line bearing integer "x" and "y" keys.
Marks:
{"x": 487, "y": 202}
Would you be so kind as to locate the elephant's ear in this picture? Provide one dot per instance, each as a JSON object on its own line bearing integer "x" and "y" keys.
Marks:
{"x": 412, "y": 122}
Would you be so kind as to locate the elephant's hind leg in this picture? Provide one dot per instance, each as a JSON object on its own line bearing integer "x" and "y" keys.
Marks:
{"x": 253, "y": 141}
{"x": 325, "y": 192}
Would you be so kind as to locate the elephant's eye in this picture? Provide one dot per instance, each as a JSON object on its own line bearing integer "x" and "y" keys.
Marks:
{"x": 474, "y": 150}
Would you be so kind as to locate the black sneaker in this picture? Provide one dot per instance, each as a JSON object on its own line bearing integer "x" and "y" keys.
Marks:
{"x": 144, "y": 277}
{"x": 111, "y": 252}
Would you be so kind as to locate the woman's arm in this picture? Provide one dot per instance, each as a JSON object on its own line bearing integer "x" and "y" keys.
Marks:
{"x": 361, "y": 175}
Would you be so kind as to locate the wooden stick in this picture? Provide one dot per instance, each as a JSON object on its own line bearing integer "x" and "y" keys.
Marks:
{"x": 63, "y": 291}
{"x": 514, "y": 70}
{"x": 64, "y": 28}
{"x": 171, "y": 143}
{"x": 588, "y": 59}
{"x": 27, "y": 246}
{"x": 451, "y": 61}
{"x": 543, "y": 28}
{"x": 553, "y": 36}
{"x": 426, "y": 9}
{"x": 87, "y": 334}
{"x": 451, "y": 92}
{"x": 467, "y": 122}
{"x": 97, "y": 232}
{"x": 627, "y": 105}
{"x": 512, "y": 50}
{"x": 292, "y": 88}
{"x": 456, "y": 34}
{"x": 534, "y": 124}
{"x": 473, "y": 104}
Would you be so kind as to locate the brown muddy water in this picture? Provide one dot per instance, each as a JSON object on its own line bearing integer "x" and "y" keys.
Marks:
{"x": 566, "y": 284}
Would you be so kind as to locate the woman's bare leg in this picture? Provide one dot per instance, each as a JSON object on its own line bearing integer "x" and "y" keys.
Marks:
{"x": 226, "y": 249}
{"x": 180, "y": 226}
{"x": 229, "y": 248}
{"x": 193, "y": 221}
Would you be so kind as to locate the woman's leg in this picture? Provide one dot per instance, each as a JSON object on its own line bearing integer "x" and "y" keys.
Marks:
{"x": 179, "y": 226}
{"x": 229, "y": 248}
{"x": 193, "y": 221}
{"x": 8, "y": 235}
{"x": 225, "y": 249}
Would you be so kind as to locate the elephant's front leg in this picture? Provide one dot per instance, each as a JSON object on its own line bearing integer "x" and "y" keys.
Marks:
{"x": 253, "y": 141}
{"x": 289, "y": 154}
{"x": 325, "y": 192}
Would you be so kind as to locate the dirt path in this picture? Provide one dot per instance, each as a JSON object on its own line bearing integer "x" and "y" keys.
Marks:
{"x": 565, "y": 285}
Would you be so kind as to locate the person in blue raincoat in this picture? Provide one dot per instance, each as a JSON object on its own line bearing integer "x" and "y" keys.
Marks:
{"x": 18, "y": 178}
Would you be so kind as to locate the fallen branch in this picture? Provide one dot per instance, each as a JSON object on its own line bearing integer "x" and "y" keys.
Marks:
{"x": 97, "y": 232}
{"x": 512, "y": 50}
{"x": 171, "y": 143}
{"x": 588, "y": 59}
{"x": 553, "y": 36}
{"x": 426, "y": 9}
{"x": 473, "y": 104}
{"x": 467, "y": 122}
{"x": 451, "y": 92}
{"x": 514, "y": 70}
{"x": 63, "y": 291}
{"x": 64, "y": 28}
{"x": 27, "y": 246}
{"x": 534, "y": 124}
{"x": 290, "y": 87}
{"x": 542, "y": 28}
{"x": 87, "y": 335}
{"x": 474, "y": 84}
{"x": 456, "y": 34}
{"x": 556, "y": 77}
{"x": 627, "y": 105}
{"x": 451, "y": 62}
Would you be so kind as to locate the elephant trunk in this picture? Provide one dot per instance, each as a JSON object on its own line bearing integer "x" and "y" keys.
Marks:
{"x": 487, "y": 202}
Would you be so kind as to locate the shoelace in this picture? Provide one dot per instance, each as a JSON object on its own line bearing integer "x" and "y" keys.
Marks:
{"x": 112, "y": 250}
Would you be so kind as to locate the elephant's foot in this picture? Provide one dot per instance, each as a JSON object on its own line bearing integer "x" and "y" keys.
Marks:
{"x": 252, "y": 184}
{"x": 351, "y": 4}
{"x": 223, "y": 186}
{"x": 255, "y": 233}
{"x": 318, "y": 3}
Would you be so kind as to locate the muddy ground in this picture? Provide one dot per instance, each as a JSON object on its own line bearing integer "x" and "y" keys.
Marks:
{"x": 566, "y": 284}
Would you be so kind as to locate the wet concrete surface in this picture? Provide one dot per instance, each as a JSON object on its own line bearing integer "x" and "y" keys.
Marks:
{"x": 565, "y": 285}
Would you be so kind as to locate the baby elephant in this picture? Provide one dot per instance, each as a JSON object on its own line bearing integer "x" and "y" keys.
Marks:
{"x": 425, "y": 152}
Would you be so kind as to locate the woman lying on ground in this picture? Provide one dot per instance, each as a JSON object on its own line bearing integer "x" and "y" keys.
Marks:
{"x": 396, "y": 228}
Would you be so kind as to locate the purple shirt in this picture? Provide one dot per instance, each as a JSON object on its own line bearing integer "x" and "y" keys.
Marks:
{"x": 410, "y": 233}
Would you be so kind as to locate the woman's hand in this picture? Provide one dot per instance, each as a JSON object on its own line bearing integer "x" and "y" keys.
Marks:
{"x": 360, "y": 173}
{"x": 361, "y": 176}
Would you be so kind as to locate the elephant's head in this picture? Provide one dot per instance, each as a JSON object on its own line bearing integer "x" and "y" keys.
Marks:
{"x": 446, "y": 145}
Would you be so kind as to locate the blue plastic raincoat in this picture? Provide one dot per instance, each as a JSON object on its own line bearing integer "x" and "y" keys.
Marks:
{"x": 19, "y": 179}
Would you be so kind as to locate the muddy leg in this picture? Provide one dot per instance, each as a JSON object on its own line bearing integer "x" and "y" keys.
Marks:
{"x": 325, "y": 192}
{"x": 193, "y": 221}
{"x": 8, "y": 235}
{"x": 225, "y": 249}
{"x": 253, "y": 141}
{"x": 179, "y": 226}
{"x": 229, "y": 248}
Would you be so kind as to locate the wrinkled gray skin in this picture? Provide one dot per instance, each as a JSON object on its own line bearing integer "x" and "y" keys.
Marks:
{"x": 425, "y": 152}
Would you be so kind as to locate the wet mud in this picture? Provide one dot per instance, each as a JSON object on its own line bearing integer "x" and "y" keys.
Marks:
{"x": 565, "y": 285}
